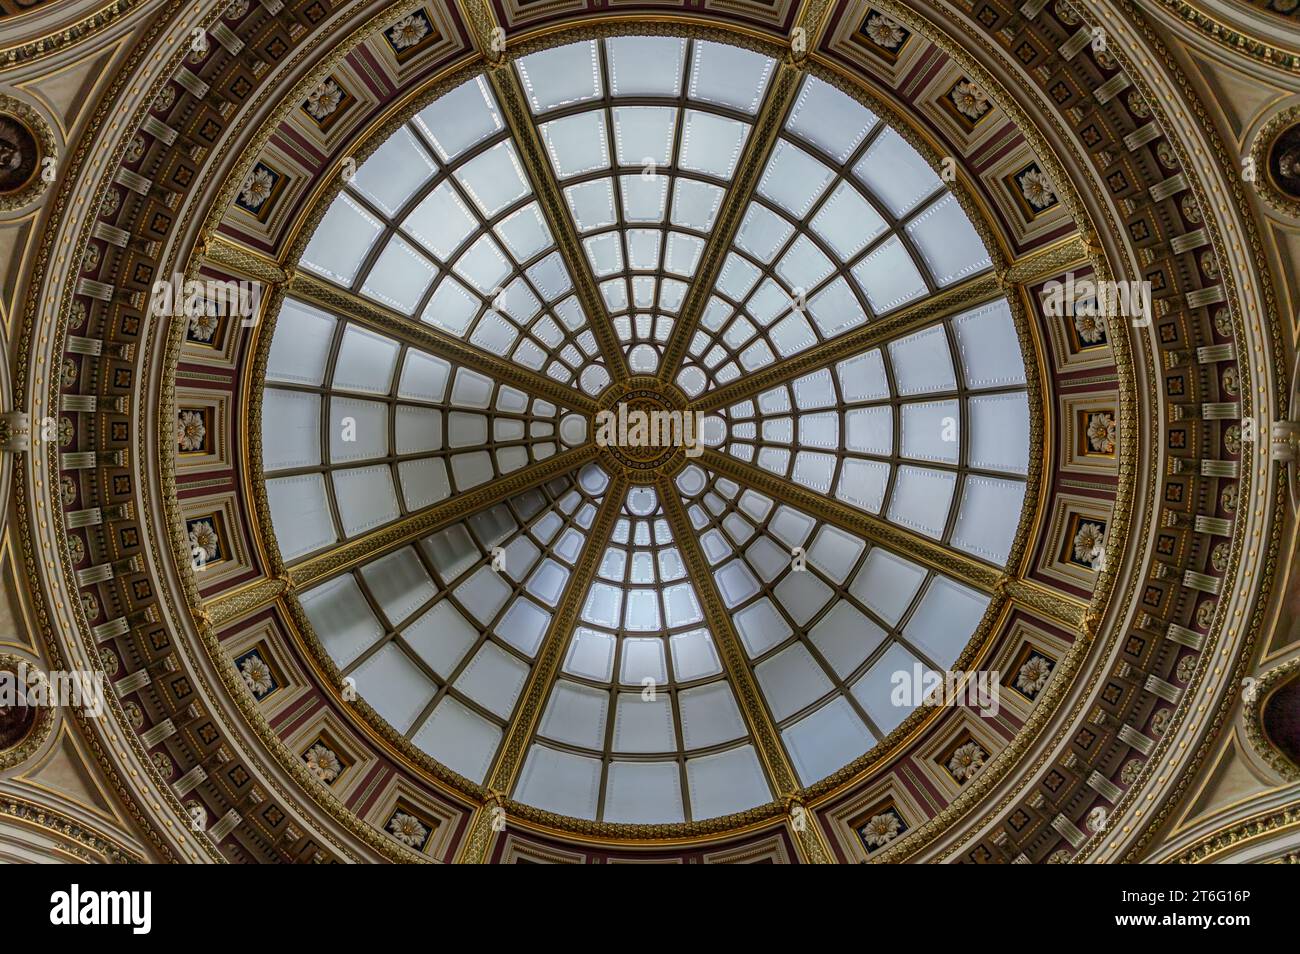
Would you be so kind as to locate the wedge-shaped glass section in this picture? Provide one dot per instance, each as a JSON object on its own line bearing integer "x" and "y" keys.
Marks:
{"x": 832, "y": 626}
{"x": 930, "y": 432}
{"x": 359, "y": 430}
{"x": 641, "y": 717}
{"x": 441, "y": 636}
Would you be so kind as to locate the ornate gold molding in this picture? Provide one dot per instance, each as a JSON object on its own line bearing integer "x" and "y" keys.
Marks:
{"x": 316, "y": 569}
{"x": 532, "y": 156}
{"x": 968, "y": 294}
{"x": 761, "y": 727}
{"x": 378, "y": 318}
{"x": 749, "y": 170}
{"x": 930, "y": 553}
{"x": 550, "y": 656}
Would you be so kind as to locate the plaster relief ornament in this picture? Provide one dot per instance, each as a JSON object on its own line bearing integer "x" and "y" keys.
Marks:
{"x": 324, "y": 99}
{"x": 970, "y": 100}
{"x": 884, "y": 31}
{"x": 408, "y": 830}
{"x": 408, "y": 32}
{"x": 19, "y": 154}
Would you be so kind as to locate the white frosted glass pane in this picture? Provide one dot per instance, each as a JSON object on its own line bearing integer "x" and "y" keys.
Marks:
{"x": 641, "y": 725}
{"x": 763, "y": 232}
{"x": 645, "y": 65}
{"x": 793, "y": 179}
{"x": 711, "y": 144}
{"x": 643, "y": 793}
{"x": 999, "y": 432}
{"x": 948, "y": 243}
{"x": 862, "y": 378}
{"x": 727, "y": 782}
{"x": 761, "y": 627}
{"x": 341, "y": 240}
{"x": 418, "y": 429}
{"x": 988, "y": 347}
{"x": 869, "y": 430}
{"x": 591, "y": 655}
{"x": 365, "y": 362}
{"x": 922, "y": 362}
{"x": 835, "y": 552}
{"x": 681, "y": 606}
{"x": 875, "y": 689}
{"x": 921, "y": 499}
{"x": 709, "y": 715}
{"x": 393, "y": 172}
{"x": 791, "y": 680}
{"x": 524, "y": 233}
{"x": 301, "y": 345}
{"x": 826, "y": 740}
{"x": 441, "y": 222}
{"x": 399, "y": 584}
{"x": 441, "y": 637}
{"x": 643, "y": 135}
{"x": 342, "y": 618}
{"x": 695, "y": 204}
{"x": 694, "y": 655}
{"x": 847, "y": 221}
{"x": 987, "y": 517}
{"x": 887, "y": 583}
{"x": 366, "y": 498}
{"x": 803, "y": 595}
{"x": 888, "y": 276}
{"x": 459, "y": 738}
{"x": 290, "y": 429}
{"x": 931, "y": 430}
{"x": 493, "y": 679}
{"x": 494, "y": 178}
{"x": 451, "y": 308}
{"x": 592, "y": 204}
{"x": 644, "y": 200}
{"x": 483, "y": 594}
{"x": 484, "y": 266}
{"x": 524, "y": 625}
{"x": 560, "y": 76}
{"x": 945, "y": 619}
{"x": 896, "y": 174}
{"x": 862, "y": 483}
{"x": 643, "y": 658}
{"x": 845, "y": 638}
{"x": 300, "y": 514}
{"x": 424, "y": 377}
{"x": 735, "y": 583}
{"x": 729, "y": 76}
{"x": 576, "y": 715}
{"x": 577, "y": 144}
{"x": 604, "y": 605}
{"x": 400, "y": 277}
{"x": 394, "y": 686}
{"x": 830, "y": 119}
{"x": 465, "y": 116}
{"x": 424, "y": 482}
{"x": 561, "y": 782}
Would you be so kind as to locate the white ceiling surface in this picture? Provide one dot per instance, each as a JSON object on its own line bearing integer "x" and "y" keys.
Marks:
{"x": 931, "y": 432}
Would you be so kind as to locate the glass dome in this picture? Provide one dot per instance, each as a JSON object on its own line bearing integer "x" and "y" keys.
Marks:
{"x": 644, "y": 718}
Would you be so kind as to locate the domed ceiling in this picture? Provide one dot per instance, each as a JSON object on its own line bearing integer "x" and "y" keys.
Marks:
{"x": 928, "y": 431}
{"x": 607, "y": 427}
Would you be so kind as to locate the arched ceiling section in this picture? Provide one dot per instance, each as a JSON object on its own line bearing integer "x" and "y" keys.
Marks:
{"x": 285, "y": 687}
